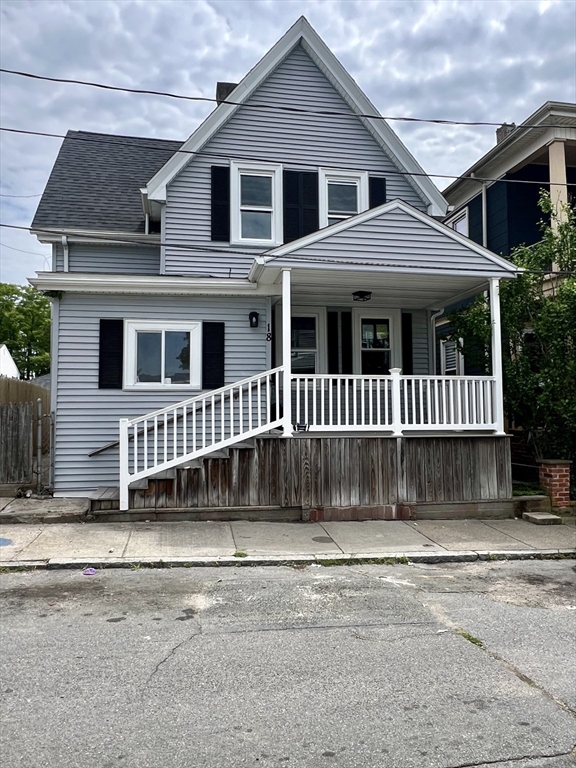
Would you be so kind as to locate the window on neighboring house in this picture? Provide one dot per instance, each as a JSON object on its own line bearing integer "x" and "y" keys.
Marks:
{"x": 459, "y": 222}
{"x": 451, "y": 359}
{"x": 256, "y": 203}
{"x": 163, "y": 354}
{"x": 342, "y": 194}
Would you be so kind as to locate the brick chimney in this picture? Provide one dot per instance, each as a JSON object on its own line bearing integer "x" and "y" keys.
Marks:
{"x": 504, "y": 131}
{"x": 223, "y": 90}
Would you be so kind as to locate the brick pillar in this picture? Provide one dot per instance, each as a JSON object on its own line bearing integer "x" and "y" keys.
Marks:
{"x": 554, "y": 477}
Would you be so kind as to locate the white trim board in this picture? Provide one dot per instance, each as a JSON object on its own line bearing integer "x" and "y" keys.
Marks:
{"x": 301, "y": 32}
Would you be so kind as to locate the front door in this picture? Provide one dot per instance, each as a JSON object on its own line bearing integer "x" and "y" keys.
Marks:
{"x": 375, "y": 351}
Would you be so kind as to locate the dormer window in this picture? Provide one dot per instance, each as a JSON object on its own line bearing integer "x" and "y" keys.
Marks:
{"x": 342, "y": 194}
{"x": 256, "y": 204}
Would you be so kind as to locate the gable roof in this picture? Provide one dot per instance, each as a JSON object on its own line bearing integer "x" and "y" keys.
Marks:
{"x": 394, "y": 237}
{"x": 96, "y": 179}
{"x": 302, "y": 33}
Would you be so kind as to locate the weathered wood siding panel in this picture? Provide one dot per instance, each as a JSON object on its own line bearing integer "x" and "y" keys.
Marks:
{"x": 314, "y": 472}
{"x": 457, "y": 469}
{"x": 274, "y": 136}
{"x": 110, "y": 259}
{"x": 87, "y": 417}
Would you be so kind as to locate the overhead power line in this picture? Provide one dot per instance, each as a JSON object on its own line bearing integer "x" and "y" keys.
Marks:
{"x": 98, "y": 139}
{"x": 296, "y": 257}
{"x": 269, "y": 107}
{"x": 19, "y": 196}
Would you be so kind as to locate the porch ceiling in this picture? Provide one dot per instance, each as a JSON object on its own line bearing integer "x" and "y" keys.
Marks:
{"x": 412, "y": 291}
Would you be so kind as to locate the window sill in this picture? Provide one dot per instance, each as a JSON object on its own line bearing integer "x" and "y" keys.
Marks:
{"x": 162, "y": 388}
{"x": 257, "y": 243}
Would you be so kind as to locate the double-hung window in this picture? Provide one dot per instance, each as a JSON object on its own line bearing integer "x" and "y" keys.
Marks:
{"x": 459, "y": 223}
{"x": 162, "y": 355}
{"x": 256, "y": 203}
{"x": 342, "y": 194}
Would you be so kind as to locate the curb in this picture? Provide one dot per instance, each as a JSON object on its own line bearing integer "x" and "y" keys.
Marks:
{"x": 391, "y": 558}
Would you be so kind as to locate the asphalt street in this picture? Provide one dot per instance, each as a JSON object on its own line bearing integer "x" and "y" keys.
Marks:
{"x": 438, "y": 666}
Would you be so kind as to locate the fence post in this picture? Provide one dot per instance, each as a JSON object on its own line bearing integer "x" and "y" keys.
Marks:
{"x": 39, "y": 447}
{"x": 396, "y": 403}
{"x": 123, "y": 455}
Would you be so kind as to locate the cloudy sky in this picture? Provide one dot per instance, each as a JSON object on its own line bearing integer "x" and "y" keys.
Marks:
{"x": 495, "y": 60}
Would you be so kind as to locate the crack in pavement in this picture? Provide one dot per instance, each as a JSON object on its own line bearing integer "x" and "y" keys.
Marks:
{"x": 172, "y": 651}
{"x": 514, "y": 759}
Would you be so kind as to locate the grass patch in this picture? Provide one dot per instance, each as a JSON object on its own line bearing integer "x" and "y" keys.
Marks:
{"x": 240, "y": 554}
{"x": 526, "y": 489}
{"x": 17, "y": 568}
{"x": 470, "y": 638}
{"x": 330, "y": 563}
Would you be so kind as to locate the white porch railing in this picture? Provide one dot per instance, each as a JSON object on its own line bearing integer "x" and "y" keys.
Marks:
{"x": 198, "y": 426}
{"x": 397, "y": 403}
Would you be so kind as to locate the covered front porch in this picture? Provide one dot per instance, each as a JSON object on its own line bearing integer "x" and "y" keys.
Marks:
{"x": 357, "y": 352}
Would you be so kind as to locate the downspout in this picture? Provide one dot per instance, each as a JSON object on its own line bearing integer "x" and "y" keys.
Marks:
{"x": 432, "y": 345}
{"x": 66, "y": 252}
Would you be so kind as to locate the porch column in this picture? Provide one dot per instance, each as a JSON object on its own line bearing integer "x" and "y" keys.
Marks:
{"x": 286, "y": 354}
{"x": 497, "y": 356}
{"x": 558, "y": 185}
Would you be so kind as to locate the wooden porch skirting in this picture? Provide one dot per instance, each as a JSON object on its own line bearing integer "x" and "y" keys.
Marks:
{"x": 348, "y": 478}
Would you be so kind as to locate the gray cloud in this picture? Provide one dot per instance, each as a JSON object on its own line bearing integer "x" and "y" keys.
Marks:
{"x": 458, "y": 59}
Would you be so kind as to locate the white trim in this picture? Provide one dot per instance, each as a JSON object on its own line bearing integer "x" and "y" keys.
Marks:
{"x": 301, "y": 32}
{"x": 497, "y": 356}
{"x": 163, "y": 240}
{"x": 54, "y": 336}
{"x": 325, "y": 176}
{"x": 87, "y": 236}
{"x": 149, "y": 284}
{"x": 132, "y": 327}
{"x": 286, "y": 354}
{"x": 394, "y": 316}
{"x": 272, "y": 170}
{"x": 462, "y": 214}
{"x": 373, "y": 213}
{"x": 459, "y": 357}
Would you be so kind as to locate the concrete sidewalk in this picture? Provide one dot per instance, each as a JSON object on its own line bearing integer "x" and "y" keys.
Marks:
{"x": 248, "y": 543}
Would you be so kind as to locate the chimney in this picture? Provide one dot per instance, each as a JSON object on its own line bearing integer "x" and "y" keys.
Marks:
{"x": 223, "y": 90}
{"x": 501, "y": 133}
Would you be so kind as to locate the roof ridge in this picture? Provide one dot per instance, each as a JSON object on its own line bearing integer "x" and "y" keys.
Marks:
{"x": 125, "y": 136}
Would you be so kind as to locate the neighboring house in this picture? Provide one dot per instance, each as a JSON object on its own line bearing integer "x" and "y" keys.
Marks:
{"x": 502, "y": 212}
{"x": 8, "y": 367}
{"x": 275, "y": 251}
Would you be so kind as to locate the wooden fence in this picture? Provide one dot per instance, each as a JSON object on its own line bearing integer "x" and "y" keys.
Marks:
{"x": 16, "y": 443}
{"x": 25, "y": 423}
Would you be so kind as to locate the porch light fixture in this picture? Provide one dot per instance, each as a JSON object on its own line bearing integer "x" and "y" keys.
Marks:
{"x": 253, "y": 316}
{"x": 362, "y": 295}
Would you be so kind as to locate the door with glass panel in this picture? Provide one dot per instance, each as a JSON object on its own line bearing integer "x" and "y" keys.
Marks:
{"x": 304, "y": 345}
{"x": 375, "y": 351}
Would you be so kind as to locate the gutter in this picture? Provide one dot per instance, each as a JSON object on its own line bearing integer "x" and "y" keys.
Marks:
{"x": 66, "y": 262}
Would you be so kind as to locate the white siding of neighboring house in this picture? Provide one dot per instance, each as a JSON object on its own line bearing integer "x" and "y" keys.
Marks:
{"x": 274, "y": 136}
{"x": 8, "y": 367}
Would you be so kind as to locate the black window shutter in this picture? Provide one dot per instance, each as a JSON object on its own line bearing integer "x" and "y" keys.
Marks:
{"x": 301, "y": 215}
{"x": 212, "y": 355}
{"x": 111, "y": 352}
{"x": 220, "y": 179}
{"x": 377, "y": 191}
{"x": 346, "y": 327}
{"x": 407, "y": 358}
{"x": 332, "y": 334}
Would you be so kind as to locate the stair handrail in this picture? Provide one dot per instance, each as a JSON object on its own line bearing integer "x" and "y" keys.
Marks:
{"x": 209, "y": 393}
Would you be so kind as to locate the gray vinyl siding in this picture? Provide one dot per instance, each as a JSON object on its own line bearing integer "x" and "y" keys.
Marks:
{"x": 87, "y": 417}
{"x": 274, "y": 136}
{"x": 113, "y": 259}
{"x": 420, "y": 340}
{"x": 398, "y": 238}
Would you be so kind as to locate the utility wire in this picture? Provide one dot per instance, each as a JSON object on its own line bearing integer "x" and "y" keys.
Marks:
{"x": 318, "y": 259}
{"x": 99, "y": 139}
{"x": 32, "y": 253}
{"x": 284, "y": 108}
{"x": 19, "y": 196}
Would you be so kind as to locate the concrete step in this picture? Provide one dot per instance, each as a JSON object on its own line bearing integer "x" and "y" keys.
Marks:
{"x": 542, "y": 518}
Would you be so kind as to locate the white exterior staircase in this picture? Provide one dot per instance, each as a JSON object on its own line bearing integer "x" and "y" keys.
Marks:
{"x": 180, "y": 434}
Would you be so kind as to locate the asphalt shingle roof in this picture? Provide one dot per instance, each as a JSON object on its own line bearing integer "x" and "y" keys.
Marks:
{"x": 96, "y": 179}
